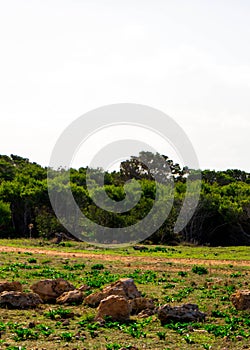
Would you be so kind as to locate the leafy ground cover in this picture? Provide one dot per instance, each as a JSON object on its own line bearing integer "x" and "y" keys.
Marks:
{"x": 173, "y": 275}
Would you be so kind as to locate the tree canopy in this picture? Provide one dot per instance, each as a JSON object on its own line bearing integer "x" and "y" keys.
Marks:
{"x": 222, "y": 216}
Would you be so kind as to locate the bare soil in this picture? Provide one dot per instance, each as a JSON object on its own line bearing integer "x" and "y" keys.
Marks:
{"x": 145, "y": 260}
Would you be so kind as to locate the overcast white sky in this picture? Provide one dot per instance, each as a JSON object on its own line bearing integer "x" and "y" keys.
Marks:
{"x": 191, "y": 59}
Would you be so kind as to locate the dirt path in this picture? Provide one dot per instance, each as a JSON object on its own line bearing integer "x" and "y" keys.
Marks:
{"x": 127, "y": 259}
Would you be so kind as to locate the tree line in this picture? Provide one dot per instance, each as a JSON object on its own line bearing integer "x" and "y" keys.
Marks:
{"x": 222, "y": 216}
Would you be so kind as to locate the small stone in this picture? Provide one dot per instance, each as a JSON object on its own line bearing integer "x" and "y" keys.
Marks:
{"x": 239, "y": 337}
{"x": 190, "y": 328}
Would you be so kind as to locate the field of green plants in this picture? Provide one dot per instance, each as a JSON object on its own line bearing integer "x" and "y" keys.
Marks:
{"x": 173, "y": 275}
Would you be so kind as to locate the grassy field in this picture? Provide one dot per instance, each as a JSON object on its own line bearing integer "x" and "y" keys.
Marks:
{"x": 173, "y": 275}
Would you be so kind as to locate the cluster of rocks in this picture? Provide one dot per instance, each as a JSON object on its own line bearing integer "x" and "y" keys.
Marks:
{"x": 13, "y": 297}
{"x": 119, "y": 300}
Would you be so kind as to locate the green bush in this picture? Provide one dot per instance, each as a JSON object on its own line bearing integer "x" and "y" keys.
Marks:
{"x": 199, "y": 270}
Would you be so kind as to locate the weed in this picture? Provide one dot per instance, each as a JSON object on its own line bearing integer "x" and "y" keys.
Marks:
{"x": 45, "y": 330}
{"x": 217, "y": 313}
{"x": 25, "y": 333}
{"x": 58, "y": 313}
{"x": 206, "y": 346}
{"x": 199, "y": 270}
{"x": 97, "y": 267}
{"x": 161, "y": 335}
{"x": 182, "y": 273}
{"x": 188, "y": 339}
{"x": 2, "y": 326}
{"x": 169, "y": 286}
{"x": 113, "y": 346}
{"x": 65, "y": 244}
{"x": 66, "y": 336}
{"x": 235, "y": 275}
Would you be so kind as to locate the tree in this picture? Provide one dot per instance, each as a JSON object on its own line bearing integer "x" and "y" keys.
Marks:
{"x": 152, "y": 167}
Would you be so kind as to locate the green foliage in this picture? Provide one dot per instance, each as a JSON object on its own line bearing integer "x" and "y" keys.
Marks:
{"x": 199, "y": 270}
{"x": 182, "y": 273}
{"x": 113, "y": 346}
{"x": 5, "y": 215}
{"x": 97, "y": 267}
{"x": 222, "y": 216}
{"x": 161, "y": 335}
{"x": 50, "y": 331}
{"x": 58, "y": 313}
{"x": 67, "y": 336}
{"x": 25, "y": 334}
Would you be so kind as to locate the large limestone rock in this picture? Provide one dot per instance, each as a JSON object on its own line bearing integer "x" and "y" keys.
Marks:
{"x": 184, "y": 313}
{"x": 50, "y": 290}
{"x": 241, "y": 299}
{"x": 11, "y": 286}
{"x": 124, "y": 287}
{"x": 139, "y": 304}
{"x": 73, "y": 296}
{"x": 19, "y": 300}
{"x": 114, "y": 306}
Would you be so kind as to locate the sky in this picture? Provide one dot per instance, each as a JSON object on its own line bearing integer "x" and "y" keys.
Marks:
{"x": 190, "y": 59}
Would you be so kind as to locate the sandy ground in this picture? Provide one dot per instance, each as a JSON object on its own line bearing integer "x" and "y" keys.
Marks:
{"x": 148, "y": 262}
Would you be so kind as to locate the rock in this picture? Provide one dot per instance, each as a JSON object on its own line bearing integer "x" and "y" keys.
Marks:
{"x": 115, "y": 306}
{"x": 66, "y": 323}
{"x": 213, "y": 282}
{"x": 184, "y": 313}
{"x": 146, "y": 313}
{"x": 124, "y": 287}
{"x": 73, "y": 296}
{"x": 239, "y": 337}
{"x": 83, "y": 288}
{"x": 241, "y": 299}
{"x": 11, "y": 286}
{"x": 139, "y": 304}
{"x": 19, "y": 300}
{"x": 50, "y": 290}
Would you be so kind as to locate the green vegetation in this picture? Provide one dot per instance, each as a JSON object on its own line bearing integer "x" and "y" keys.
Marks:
{"x": 200, "y": 270}
{"x": 54, "y": 327}
{"x": 221, "y": 217}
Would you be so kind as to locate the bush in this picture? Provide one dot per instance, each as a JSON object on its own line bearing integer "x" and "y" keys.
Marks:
{"x": 199, "y": 270}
